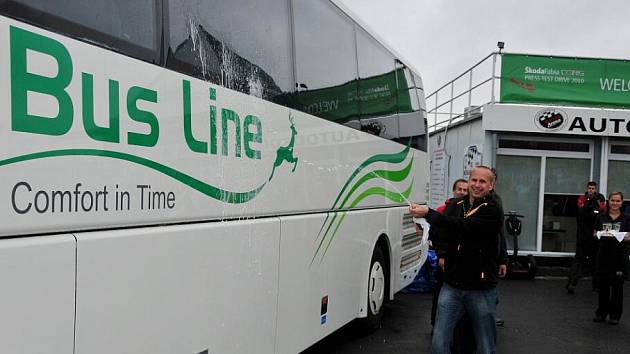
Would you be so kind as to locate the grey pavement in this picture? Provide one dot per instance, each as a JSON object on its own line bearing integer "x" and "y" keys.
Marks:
{"x": 540, "y": 317}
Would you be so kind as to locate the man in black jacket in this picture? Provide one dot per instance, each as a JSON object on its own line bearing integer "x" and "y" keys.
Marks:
{"x": 589, "y": 205}
{"x": 472, "y": 262}
{"x": 439, "y": 244}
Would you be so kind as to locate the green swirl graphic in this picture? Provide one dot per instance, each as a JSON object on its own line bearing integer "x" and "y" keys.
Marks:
{"x": 393, "y": 196}
{"x": 333, "y": 223}
{"x": 390, "y": 158}
{"x": 393, "y": 176}
{"x": 207, "y": 189}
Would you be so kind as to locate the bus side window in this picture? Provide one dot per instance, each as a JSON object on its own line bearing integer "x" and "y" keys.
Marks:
{"x": 243, "y": 45}
{"x": 325, "y": 61}
{"x": 411, "y": 109}
{"x": 378, "y": 104}
{"x": 129, "y": 27}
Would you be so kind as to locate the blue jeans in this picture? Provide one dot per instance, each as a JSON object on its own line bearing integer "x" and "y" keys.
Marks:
{"x": 479, "y": 305}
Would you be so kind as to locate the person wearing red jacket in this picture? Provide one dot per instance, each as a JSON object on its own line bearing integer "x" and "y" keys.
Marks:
{"x": 589, "y": 205}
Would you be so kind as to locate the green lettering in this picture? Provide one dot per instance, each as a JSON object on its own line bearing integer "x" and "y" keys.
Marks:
{"x": 213, "y": 122}
{"x": 229, "y": 115}
{"x": 134, "y": 95}
{"x": 213, "y": 130}
{"x": 193, "y": 144}
{"x": 23, "y": 82}
{"x": 252, "y": 137}
{"x": 95, "y": 132}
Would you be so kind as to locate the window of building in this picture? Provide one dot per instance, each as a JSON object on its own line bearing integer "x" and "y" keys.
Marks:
{"x": 618, "y": 172}
{"x": 519, "y": 186}
{"x": 543, "y": 145}
{"x": 620, "y": 149}
{"x": 565, "y": 180}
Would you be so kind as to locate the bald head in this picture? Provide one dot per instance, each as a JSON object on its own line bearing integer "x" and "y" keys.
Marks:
{"x": 481, "y": 182}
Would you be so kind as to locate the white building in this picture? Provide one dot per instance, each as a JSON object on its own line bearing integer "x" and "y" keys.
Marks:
{"x": 548, "y": 125}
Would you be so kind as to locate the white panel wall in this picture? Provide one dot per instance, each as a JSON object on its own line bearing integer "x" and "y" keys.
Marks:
{"x": 178, "y": 289}
{"x": 37, "y": 294}
{"x": 458, "y": 139}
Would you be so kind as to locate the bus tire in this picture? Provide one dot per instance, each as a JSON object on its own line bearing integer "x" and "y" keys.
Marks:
{"x": 378, "y": 281}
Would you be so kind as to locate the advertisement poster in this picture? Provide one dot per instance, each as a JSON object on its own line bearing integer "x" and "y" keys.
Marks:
{"x": 439, "y": 165}
{"x": 472, "y": 157}
{"x": 565, "y": 80}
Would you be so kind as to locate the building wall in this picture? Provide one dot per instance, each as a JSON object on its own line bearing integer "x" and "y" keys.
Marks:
{"x": 456, "y": 142}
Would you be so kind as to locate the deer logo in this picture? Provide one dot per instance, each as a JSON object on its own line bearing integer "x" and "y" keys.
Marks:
{"x": 285, "y": 153}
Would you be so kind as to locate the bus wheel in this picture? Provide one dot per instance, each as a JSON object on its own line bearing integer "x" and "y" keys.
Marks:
{"x": 377, "y": 291}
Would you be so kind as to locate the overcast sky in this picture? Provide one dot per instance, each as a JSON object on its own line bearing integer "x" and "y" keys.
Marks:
{"x": 443, "y": 38}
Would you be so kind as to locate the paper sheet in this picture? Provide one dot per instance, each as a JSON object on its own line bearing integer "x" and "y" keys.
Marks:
{"x": 425, "y": 228}
{"x": 618, "y": 235}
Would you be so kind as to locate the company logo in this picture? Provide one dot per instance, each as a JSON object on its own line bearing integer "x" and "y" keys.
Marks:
{"x": 230, "y": 135}
{"x": 551, "y": 119}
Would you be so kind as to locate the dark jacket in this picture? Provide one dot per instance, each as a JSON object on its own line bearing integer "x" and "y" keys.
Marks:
{"x": 503, "y": 256}
{"x": 438, "y": 242}
{"x": 588, "y": 209}
{"x": 472, "y": 234}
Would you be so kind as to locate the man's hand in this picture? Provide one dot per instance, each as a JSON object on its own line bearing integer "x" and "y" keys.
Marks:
{"x": 502, "y": 270}
{"x": 441, "y": 263}
{"x": 418, "y": 211}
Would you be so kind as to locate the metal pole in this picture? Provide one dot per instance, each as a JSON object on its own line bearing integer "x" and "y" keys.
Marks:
{"x": 494, "y": 64}
{"x": 435, "y": 110}
{"x": 450, "y": 115}
{"x": 470, "y": 82}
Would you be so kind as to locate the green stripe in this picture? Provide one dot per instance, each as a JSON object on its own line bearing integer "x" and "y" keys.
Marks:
{"x": 393, "y": 196}
{"x": 209, "y": 190}
{"x": 394, "y": 176}
{"x": 391, "y": 158}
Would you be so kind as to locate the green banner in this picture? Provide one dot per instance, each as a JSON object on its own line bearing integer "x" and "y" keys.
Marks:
{"x": 369, "y": 97}
{"x": 562, "y": 80}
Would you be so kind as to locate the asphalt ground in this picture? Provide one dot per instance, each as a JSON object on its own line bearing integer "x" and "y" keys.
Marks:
{"x": 540, "y": 317}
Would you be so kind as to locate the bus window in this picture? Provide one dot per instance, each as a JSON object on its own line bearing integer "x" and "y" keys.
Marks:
{"x": 411, "y": 112}
{"x": 129, "y": 27}
{"x": 326, "y": 64}
{"x": 243, "y": 45}
{"x": 377, "y": 87}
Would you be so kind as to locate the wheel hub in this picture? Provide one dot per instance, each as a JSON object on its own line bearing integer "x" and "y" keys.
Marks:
{"x": 376, "y": 289}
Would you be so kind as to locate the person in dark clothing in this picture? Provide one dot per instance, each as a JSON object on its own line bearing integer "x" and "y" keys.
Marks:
{"x": 439, "y": 244}
{"x": 589, "y": 206}
{"x": 503, "y": 255}
{"x": 472, "y": 262}
{"x": 611, "y": 260}
{"x": 463, "y": 334}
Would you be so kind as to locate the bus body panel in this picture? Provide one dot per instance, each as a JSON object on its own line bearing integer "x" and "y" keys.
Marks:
{"x": 203, "y": 219}
{"x": 37, "y": 298}
{"x": 334, "y": 271}
{"x": 178, "y": 289}
{"x": 68, "y": 181}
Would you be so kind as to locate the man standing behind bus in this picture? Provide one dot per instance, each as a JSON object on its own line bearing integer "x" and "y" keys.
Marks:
{"x": 471, "y": 266}
{"x": 589, "y": 205}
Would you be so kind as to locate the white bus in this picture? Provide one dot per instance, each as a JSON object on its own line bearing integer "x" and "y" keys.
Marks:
{"x": 189, "y": 177}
